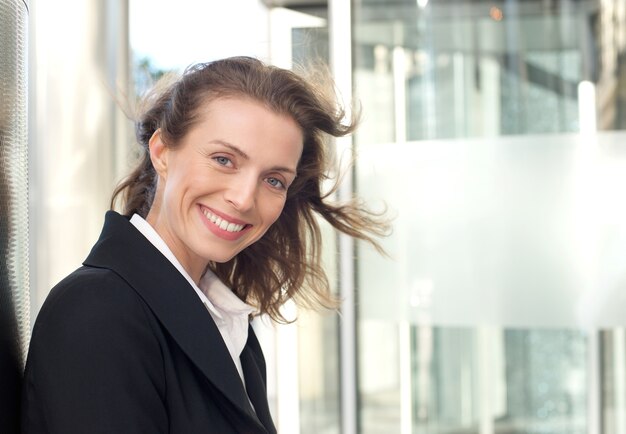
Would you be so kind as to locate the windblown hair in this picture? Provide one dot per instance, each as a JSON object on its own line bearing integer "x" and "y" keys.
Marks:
{"x": 286, "y": 262}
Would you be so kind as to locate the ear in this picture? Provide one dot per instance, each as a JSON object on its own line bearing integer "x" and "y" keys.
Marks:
{"x": 158, "y": 153}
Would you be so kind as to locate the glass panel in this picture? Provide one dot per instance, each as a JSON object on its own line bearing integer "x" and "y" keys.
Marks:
{"x": 318, "y": 355}
{"x": 465, "y": 69}
{"x": 519, "y": 231}
{"x": 472, "y": 380}
{"x": 507, "y": 252}
{"x": 318, "y": 334}
{"x": 319, "y": 374}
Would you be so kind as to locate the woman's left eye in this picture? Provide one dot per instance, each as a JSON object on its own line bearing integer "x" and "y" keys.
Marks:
{"x": 223, "y": 161}
{"x": 275, "y": 182}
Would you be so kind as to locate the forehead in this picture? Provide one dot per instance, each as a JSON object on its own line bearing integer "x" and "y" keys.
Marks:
{"x": 249, "y": 124}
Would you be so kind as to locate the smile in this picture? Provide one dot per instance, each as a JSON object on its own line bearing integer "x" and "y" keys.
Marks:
{"x": 223, "y": 224}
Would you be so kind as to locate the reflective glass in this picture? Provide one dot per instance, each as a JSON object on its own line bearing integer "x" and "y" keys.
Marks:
{"x": 318, "y": 333}
{"x": 501, "y": 307}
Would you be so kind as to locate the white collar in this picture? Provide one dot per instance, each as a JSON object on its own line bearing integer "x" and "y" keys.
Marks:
{"x": 231, "y": 315}
{"x": 151, "y": 234}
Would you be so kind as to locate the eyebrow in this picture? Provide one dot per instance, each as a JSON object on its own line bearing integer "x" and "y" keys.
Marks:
{"x": 245, "y": 156}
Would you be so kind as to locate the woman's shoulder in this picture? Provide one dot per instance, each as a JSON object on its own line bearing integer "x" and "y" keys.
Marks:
{"x": 95, "y": 300}
{"x": 90, "y": 287}
{"x": 94, "y": 346}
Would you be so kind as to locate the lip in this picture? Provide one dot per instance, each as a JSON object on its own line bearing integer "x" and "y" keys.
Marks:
{"x": 219, "y": 232}
{"x": 225, "y": 216}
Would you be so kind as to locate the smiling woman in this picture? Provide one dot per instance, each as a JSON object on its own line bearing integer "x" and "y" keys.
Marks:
{"x": 226, "y": 183}
{"x": 220, "y": 223}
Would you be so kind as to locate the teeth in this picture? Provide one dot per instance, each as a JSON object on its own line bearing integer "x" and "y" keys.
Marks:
{"x": 221, "y": 223}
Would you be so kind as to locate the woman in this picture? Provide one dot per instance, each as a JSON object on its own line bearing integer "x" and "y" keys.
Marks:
{"x": 151, "y": 334}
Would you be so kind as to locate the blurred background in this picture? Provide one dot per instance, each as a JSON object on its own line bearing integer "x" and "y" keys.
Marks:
{"x": 493, "y": 130}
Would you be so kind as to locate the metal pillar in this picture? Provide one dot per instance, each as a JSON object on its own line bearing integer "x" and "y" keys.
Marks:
{"x": 14, "y": 282}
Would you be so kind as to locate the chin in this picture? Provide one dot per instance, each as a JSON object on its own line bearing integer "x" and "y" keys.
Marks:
{"x": 223, "y": 255}
{"x": 221, "y": 259}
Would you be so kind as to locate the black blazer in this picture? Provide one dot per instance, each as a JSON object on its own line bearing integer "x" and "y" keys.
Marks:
{"x": 123, "y": 345}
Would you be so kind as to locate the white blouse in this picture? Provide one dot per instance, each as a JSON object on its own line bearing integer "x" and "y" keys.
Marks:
{"x": 227, "y": 310}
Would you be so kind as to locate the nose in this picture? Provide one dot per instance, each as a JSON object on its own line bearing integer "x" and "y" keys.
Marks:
{"x": 241, "y": 194}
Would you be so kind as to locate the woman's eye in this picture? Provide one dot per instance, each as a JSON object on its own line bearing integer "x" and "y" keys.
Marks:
{"x": 276, "y": 183}
{"x": 223, "y": 161}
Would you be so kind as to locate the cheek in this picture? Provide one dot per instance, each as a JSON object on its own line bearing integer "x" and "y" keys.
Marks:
{"x": 272, "y": 209}
{"x": 275, "y": 210}
{"x": 270, "y": 215}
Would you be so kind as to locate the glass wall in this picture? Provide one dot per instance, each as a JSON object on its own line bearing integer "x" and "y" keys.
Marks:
{"x": 501, "y": 307}
{"x": 458, "y": 68}
{"x": 318, "y": 335}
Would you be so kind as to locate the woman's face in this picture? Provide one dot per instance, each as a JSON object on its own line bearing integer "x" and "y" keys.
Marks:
{"x": 224, "y": 185}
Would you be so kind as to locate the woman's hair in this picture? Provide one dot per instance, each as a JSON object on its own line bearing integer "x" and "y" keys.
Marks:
{"x": 286, "y": 262}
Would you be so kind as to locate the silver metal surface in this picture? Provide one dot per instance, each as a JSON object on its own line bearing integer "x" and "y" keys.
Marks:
{"x": 14, "y": 282}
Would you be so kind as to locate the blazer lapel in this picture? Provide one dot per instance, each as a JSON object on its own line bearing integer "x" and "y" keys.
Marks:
{"x": 253, "y": 366}
{"x": 127, "y": 252}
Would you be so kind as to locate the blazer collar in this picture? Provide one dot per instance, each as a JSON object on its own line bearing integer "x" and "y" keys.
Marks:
{"x": 123, "y": 249}
{"x": 253, "y": 366}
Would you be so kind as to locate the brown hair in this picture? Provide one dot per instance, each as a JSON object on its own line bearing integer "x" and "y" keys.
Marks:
{"x": 286, "y": 262}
